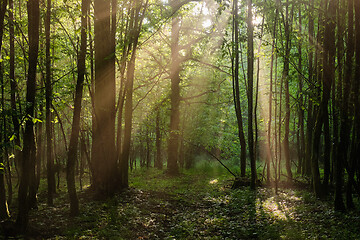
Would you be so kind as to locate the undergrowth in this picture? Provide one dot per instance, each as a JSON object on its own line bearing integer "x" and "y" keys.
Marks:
{"x": 197, "y": 204}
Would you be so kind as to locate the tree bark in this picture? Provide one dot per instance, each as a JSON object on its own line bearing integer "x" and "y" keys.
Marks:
{"x": 4, "y": 211}
{"x": 158, "y": 161}
{"x": 48, "y": 97}
{"x": 345, "y": 126}
{"x": 285, "y": 77}
{"x": 103, "y": 154}
{"x": 250, "y": 77}
{"x": 75, "y": 131}
{"x": 29, "y": 148}
{"x": 174, "y": 130}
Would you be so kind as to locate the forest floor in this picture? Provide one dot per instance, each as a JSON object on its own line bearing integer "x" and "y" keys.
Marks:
{"x": 198, "y": 204}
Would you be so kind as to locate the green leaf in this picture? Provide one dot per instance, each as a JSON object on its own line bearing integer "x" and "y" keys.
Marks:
{"x": 35, "y": 120}
{"x": 12, "y": 138}
{"x": 2, "y": 168}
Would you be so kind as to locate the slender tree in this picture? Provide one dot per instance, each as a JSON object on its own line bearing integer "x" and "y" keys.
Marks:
{"x": 29, "y": 149}
{"x": 4, "y": 212}
{"x": 250, "y": 78}
{"x": 75, "y": 131}
{"x": 48, "y": 97}
{"x": 236, "y": 87}
{"x": 285, "y": 79}
{"x": 344, "y": 127}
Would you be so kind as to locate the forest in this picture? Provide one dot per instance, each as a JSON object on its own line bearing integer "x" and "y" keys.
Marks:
{"x": 180, "y": 119}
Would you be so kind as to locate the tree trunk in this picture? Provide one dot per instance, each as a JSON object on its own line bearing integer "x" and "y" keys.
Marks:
{"x": 4, "y": 212}
{"x": 357, "y": 90}
{"x": 174, "y": 131}
{"x": 134, "y": 35}
{"x": 29, "y": 148}
{"x": 345, "y": 126}
{"x": 328, "y": 79}
{"x": 75, "y": 131}
{"x": 236, "y": 90}
{"x": 48, "y": 97}
{"x": 354, "y": 153}
{"x": 250, "y": 77}
{"x": 285, "y": 77}
{"x": 158, "y": 161}
{"x": 310, "y": 119}
{"x": 103, "y": 154}
{"x": 301, "y": 135}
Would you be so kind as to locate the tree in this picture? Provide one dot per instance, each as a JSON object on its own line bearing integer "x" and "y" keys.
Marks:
{"x": 4, "y": 212}
{"x": 29, "y": 149}
{"x": 103, "y": 151}
{"x": 175, "y": 68}
{"x": 236, "y": 92}
{"x": 344, "y": 125}
{"x": 250, "y": 78}
{"x": 137, "y": 11}
{"x": 75, "y": 130}
{"x": 48, "y": 97}
{"x": 285, "y": 79}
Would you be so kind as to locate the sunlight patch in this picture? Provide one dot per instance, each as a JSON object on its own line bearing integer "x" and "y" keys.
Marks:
{"x": 274, "y": 208}
{"x": 214, "y": 181}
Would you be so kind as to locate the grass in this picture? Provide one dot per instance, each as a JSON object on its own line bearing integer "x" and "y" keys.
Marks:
{"x": 197, "y": 204}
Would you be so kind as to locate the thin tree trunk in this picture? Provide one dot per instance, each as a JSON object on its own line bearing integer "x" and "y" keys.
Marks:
{"x": 236, "y": 91}
{"x": 48, "y": 96}
{"x": 285, "y": 76}
{"x": 250, "y": 77}
{"x": 354, "y": 153}
{"x": 158, "y": 161}
{"x": 345, "y": 126}
{"x": 301, "y": 138}
{"x": 310, "y": 121}
{"x": 4, "y": 212}
{"x": 75, "y": 131}
{"x": 29, "y": 148}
